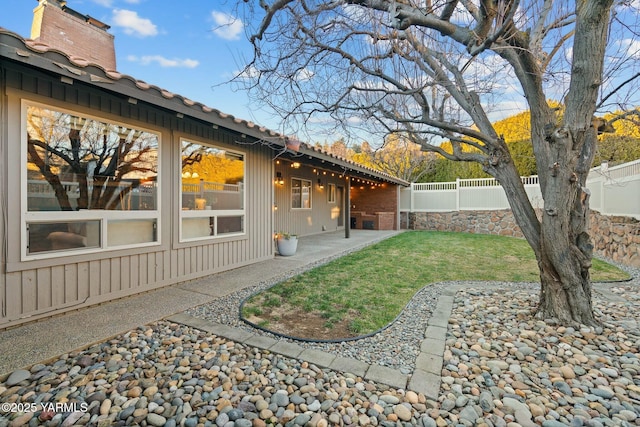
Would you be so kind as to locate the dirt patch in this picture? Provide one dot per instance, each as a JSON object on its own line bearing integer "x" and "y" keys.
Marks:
{"x": 298, "y": 323}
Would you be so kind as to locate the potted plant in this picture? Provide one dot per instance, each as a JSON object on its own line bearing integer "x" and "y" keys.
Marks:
{"x": 287, "y": 243}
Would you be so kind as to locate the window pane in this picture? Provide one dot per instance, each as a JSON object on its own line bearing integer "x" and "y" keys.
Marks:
{"x": 296, "y": 193}
{"x": 77, "y": 163}
{"x": 212, "y": 178}
{"x": 230, "y": 224}
{"x": 131, "y": 232}
{"x": 300, "y": 193}
{"x": 197, "y": 227}
{"x": 332, "y": 193}
{"x": 55, "y": 236}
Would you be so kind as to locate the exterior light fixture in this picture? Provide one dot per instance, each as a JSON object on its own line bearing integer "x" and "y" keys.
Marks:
{"x": 295, "y": 165}
{"x": 279, "y": 180}
{"x": 320, "y": 184}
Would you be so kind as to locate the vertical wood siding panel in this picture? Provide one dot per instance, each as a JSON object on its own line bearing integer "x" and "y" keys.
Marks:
{"x": 166, "y": 265}
{"x": 174, "y": 264}
{"x": 83, "y": 281}
{"x": 151, "y": 268}
{"x": 125, "y": 273}
{"x": 115, "y": 269}
{"x": 158, "y": 267}
{"x": 29, "y": 294}
{"x": 181, "y": 262}
{"x": 194, "y": 265}
{"x": 15, "y": 297}
{"x": 200, "y": 257}
{"x": 134, "y": 270}
{"x": 43, "y": 288}
{"x": 71, "y": 285}
{"x": 94, "y": 278}
{"x": 58, "y": 286}
{"x": 205, "y": 258}
{"x": 143, "y": 276}
{"x": 44, "y": 88}
{"x": 105, "y": 277}
{"x": 3, "y": 298}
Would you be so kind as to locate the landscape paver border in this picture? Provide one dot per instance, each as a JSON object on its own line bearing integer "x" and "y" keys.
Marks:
{"x": 425, "y": 378}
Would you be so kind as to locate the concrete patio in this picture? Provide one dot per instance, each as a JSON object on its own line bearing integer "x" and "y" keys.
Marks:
{"x": 45, "y": 339}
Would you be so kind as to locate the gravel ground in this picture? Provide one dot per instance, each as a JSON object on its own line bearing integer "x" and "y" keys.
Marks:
{"x": 395, "y": 347}
{"x": 501, "y": 368}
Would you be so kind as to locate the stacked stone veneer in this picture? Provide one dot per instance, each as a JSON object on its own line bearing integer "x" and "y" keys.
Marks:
{"x": 616, "y": 238}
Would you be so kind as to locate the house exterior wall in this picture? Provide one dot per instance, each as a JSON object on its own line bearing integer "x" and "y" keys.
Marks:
{"x": 323, "y": 214}
{"x": 42, "y": 287}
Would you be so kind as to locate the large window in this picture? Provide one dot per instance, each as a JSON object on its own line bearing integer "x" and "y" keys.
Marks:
{"x": 300, "y": 193}
{"x": 212, "y": 191}
{"x": 89, "y": 184}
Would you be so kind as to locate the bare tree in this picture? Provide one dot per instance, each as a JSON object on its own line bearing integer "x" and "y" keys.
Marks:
{"x": 438, "y": 69}
{"x": 403, "y": 158}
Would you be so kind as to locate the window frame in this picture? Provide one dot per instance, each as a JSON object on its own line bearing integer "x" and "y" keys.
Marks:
{"x": 302, "y": 180}
{"x": 212, "y": 214}
{"x": 331, "y": 193}
{"x": 103, "y": 216}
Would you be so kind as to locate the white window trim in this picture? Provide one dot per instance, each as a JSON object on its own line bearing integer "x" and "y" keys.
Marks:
{"x": 71, "y": 216}
{"x": 310, "y": 194}
{"x": 331, "y": 191}
{"x": 210, "y": 213}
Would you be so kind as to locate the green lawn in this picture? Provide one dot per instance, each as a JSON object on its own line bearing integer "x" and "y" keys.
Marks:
{"x": 370, "y": 287}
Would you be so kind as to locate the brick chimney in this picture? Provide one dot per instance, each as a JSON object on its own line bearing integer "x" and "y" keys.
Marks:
{"x": 73, "y": 33}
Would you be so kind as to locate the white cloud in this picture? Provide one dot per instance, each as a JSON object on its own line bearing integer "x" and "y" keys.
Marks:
{"x": 227, "y": 26}
{"x": 164, "y": 62}
{"x": 631, "y": 47}
{"x": 133, "y": 24}
{"x": 304, "y": 74}
{"x": 248, "y": 73}
{"x": 105, "y": 3}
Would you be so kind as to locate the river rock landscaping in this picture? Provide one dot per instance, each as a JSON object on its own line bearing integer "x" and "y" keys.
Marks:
{"x": 501, "y": 368}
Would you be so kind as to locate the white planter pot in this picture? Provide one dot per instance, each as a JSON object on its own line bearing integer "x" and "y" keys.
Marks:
{"x": 287, "y": 247}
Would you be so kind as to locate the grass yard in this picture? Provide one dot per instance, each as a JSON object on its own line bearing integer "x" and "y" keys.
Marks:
{"x": 364, "y": 291}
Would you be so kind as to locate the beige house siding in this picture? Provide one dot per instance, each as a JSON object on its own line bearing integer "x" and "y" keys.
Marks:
{"x": 33, "y": 289}
{"x": 323, "y": 215}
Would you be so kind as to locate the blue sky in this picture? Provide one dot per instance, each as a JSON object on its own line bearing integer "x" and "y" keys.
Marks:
{"x": 193, "y": 48}
{"x": 187, "y": 47}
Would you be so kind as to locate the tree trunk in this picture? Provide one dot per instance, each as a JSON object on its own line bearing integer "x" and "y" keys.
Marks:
{"x": 559, "y": 240}
{"x": 565, "y": 245}
{"x": 564, "y": 155}
{"x": 564, "y": 297}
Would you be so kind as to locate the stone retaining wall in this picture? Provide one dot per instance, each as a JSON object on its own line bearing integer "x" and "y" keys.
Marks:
{"x": 616, "y": 238}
